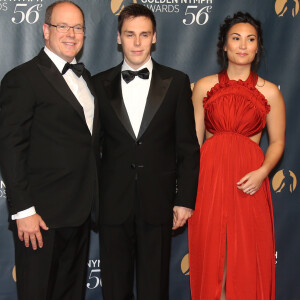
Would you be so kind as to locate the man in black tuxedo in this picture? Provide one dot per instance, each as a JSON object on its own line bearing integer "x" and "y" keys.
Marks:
{"x": 49, "y": 136}
{"x": 149, "y": 144}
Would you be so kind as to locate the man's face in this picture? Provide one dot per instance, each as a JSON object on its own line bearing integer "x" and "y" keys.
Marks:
{"x": 65, "y": 45}
{"x": 136, "y": 38}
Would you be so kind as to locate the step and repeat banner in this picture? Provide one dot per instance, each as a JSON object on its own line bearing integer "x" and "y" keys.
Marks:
{"x": 187, "y": 33}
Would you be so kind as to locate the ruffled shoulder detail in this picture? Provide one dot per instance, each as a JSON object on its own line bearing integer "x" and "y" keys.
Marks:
{"x": 237, "y": 88}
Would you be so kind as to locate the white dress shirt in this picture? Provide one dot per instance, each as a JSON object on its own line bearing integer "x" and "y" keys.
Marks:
{"x": 82, "y": 93}
{"x": 135, "y": 95}
{"x": 78, "y": 86}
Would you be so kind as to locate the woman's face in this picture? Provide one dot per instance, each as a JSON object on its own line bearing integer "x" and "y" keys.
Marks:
{"x": 241, "y": 45}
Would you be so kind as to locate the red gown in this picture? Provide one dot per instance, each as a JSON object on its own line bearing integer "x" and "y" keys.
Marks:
{"x": 224, "y": 215}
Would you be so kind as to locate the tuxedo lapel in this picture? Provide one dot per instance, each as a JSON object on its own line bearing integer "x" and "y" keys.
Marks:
{"x": 114, "y": 93}
{"x": 157, "y": 92}
{"x": 55, "y": 78}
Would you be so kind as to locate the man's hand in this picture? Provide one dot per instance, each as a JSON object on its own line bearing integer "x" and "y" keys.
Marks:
{"x": 180, "y": 216}
{"x": 29, "y": 229}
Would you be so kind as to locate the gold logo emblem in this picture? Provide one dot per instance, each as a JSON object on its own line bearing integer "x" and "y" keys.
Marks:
{"x": 287, "y": 8}
{"x": 14, "y": 274}
{"x": 117, "y": 5}
{"x": 284, "y": 181}
{"x": 185, "y": 265}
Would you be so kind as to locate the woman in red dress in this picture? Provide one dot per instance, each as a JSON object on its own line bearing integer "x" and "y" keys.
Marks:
{"x": 231, "y": 233}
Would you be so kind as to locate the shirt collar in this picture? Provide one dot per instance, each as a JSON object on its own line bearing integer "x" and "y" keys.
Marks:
{"x": 148, "y": 65}
{"x": 58, "y": 61}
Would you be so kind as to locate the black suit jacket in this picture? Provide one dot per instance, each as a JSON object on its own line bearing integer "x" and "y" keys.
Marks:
{"x": 165, "y": 151}
{"x": 48, "y": 157}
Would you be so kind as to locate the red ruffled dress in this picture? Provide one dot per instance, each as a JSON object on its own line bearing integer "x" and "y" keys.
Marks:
{"x": 224, "y": 215}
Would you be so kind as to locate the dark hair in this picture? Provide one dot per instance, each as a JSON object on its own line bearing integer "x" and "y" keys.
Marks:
{"x": 49, "y": 10}
{"x": 239, "y": 17}
{"x": 135, "y": 10}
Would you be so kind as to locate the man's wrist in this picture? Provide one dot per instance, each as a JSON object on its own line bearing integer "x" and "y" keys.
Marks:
{"x": 24, "y": 213}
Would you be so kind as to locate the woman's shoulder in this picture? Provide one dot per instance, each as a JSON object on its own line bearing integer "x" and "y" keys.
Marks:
{"x": 203, "y": 86}
{"x": 206, "y": 83}
{"x": 270, "y": 90}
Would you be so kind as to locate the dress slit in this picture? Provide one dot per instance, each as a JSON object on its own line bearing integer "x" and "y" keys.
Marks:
{"x": 223, "y": 266}
{"x": 224, "y": 270}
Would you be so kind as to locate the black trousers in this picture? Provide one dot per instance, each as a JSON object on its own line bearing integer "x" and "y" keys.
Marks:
{"x": 135, "y": 245}
{"x": 58, "y": 270}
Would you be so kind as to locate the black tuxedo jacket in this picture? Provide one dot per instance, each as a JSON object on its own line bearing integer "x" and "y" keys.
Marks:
{"x": 48, "y": 157}
{"x": 166, "y": 150}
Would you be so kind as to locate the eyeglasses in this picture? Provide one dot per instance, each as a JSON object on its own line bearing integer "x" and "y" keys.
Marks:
{"x": 65, "y": 28}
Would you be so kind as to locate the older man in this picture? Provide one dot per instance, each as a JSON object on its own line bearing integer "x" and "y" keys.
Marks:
{"x": 48, "y": 156}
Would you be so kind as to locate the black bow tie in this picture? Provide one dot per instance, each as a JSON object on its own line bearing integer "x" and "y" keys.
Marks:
{"x": 129, "y": 75}
{"x": 76, "y": 68}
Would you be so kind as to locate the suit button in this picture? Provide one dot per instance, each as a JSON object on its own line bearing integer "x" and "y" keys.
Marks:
{"x": 132, "y": 166}
{"x": 139, "y": 143}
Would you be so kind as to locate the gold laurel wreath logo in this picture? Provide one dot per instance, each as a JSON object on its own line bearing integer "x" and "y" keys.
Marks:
{"x": 117, "y": 5}
{"x": 14, "y": 274}
{"x": 287, "y": 8}
{"x": 185, "y": 265}
{"x": 284, "y": 180}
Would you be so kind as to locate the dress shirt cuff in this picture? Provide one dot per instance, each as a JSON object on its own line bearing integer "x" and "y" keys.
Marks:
{"x": 24, "y": 213}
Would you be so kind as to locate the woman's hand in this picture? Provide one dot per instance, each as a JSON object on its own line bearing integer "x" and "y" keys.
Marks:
{"x": 252, "y": 181}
